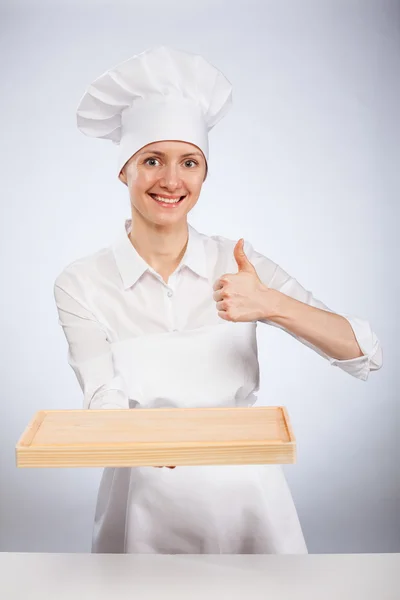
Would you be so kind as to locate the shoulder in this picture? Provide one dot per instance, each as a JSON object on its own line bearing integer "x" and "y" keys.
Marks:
{"x": 224, "y": 244}
{"x": 217, "y": 243}
{"x": 86, "y": 270}
{"x": 222, "y": 247}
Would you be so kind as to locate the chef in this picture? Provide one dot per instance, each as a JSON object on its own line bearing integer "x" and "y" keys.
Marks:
{"x": 167, "y": 316}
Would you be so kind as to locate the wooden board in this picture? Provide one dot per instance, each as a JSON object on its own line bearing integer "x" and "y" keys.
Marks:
{"x": 157, "y": 437}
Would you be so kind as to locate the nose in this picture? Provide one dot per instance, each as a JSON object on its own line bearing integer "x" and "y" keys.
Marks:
{"x": 171, "y": 179}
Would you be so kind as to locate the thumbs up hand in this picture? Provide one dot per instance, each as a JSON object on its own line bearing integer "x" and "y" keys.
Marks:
{"x": 243, "y": 263}
{"x": 243, "y": 296}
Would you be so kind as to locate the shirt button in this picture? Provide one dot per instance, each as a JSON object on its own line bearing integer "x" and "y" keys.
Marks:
{"x": 169, "y": 294}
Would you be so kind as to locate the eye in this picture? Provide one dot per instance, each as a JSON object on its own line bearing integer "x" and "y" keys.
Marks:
{"x": 191, "y": 163}
{"x": 151, "y": 161}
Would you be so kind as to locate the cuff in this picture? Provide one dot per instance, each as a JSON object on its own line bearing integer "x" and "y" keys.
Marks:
{"x": 371, "y": 360}
{"x": 109, "y": 395}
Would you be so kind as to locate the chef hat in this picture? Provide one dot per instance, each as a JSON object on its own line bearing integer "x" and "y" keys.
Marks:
{"x": 160, "y": 94}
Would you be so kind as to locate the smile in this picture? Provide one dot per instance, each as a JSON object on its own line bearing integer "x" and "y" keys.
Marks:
{"x": 169, "y": 201}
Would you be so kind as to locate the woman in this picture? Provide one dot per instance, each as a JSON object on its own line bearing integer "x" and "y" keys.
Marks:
{"x": 167, "y": 317}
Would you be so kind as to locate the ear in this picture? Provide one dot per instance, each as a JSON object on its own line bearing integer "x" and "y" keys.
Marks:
{"x": 122, "y": 176}
{"x": 206, "y": 172}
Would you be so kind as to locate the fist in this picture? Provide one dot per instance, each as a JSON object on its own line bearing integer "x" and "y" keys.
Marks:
{"x": 242, "y": 296}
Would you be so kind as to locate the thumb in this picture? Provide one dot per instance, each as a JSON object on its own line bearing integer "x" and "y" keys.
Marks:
{"x": 243, "y": 263}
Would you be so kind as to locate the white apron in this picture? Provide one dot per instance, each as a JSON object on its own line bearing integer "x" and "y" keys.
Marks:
{"x": 212, "y": 509}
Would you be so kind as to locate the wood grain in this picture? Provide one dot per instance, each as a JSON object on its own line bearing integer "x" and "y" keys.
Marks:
{"x": 153, "y": 437}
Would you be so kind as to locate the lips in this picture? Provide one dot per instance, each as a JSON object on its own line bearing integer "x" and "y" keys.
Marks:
{"x": 167, "y": 200}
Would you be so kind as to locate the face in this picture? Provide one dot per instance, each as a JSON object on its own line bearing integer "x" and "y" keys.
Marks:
{"x": 164, "y": 181}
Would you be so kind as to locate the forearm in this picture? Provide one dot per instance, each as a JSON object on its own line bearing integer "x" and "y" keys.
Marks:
{"x": 329, "y": 332}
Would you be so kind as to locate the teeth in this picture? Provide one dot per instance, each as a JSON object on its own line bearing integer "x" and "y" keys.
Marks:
{"x": 165, "y": 200}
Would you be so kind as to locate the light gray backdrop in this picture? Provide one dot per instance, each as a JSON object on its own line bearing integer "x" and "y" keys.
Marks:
{"x": 305, "y": 167}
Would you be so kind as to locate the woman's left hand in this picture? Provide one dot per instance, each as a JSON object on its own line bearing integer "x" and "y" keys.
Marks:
{"x": 243, "y": 296}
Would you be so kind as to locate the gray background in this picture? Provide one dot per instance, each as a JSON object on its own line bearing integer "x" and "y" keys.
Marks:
{"x": 305, "y": 167}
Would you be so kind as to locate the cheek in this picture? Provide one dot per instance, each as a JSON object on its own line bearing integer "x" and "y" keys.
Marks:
{"x": 195, "y": 182}
{"x": 140, "y": 181}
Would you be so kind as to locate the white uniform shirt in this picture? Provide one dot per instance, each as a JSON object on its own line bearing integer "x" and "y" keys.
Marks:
{"x": 114, "y": 295}
{"x": 135, "y": 341}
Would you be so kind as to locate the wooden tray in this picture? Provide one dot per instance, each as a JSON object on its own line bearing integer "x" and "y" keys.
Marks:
{"x": 157, "y": 437}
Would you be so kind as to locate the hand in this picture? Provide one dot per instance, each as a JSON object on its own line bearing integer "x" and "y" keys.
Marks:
{"x": 243, "y": 296}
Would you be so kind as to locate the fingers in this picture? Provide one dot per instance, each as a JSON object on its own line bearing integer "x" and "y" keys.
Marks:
{"x": 223, "y": 280}
{"x": 224, "y": 315}
{"x": 218, "y": 296}
{"x": 218, "y": 285}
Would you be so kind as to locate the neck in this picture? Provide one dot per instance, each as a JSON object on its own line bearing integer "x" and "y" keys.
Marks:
{"x": 162, "y": 247}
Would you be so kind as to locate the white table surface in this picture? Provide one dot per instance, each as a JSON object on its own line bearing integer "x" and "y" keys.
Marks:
{"x": 34, "y": 576}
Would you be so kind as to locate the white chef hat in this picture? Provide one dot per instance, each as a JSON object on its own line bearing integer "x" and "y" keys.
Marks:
{"x": 160, "y": 94}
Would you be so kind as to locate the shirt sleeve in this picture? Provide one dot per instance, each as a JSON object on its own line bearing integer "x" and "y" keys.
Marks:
{"x": 89, "y": 353}
{"x": 276, "y": 278}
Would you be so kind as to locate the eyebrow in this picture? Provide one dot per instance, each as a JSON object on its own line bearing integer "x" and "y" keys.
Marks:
{"x": 162, "y": 154}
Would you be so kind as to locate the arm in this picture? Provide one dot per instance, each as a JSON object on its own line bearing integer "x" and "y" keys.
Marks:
{"x": 89, "y": 353}
{"x": 263, "y": 291}
{"x": 348, "y": 342}
{"x": 329, "y": 332}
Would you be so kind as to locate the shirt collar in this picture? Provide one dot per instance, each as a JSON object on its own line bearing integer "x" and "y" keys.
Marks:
{"x": 131, "y": 265}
